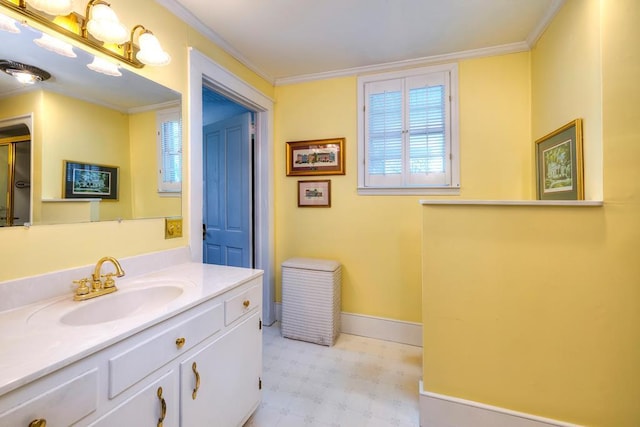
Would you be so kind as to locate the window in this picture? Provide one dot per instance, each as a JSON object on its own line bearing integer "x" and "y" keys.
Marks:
{"x": 407, "y": 124}
{"x": 169, "y": 151}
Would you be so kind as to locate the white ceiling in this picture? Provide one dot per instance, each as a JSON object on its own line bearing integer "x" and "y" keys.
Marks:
{"x": 291, "y": 39}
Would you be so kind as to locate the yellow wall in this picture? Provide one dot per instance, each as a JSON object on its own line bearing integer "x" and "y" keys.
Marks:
{"x": 57, "y": 247}
{"x": 82, "y": 132}
{"x": 146, "y": 201}
{"x": 375, "y": 237}
{"x": 567, "y": 83}
{"x": 538, "y": 309}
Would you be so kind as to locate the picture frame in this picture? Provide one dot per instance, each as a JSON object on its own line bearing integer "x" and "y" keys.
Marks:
{"x": 314, "y": 194}
{"x": 316, "y": 157}
{"x": 90, "y": 181}
{"x": 559, "y": 164}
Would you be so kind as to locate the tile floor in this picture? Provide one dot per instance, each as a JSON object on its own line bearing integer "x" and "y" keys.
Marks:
{"x": 359, "y": 382}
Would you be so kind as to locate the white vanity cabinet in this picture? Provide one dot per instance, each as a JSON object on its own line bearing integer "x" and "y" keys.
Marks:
{"x": 220, "y": 385}
{"x": 201, "y": 367}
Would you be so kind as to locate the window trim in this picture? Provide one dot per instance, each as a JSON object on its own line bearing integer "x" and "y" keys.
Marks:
{"x": 454, "y": 188}
{"x": 166, "y": 189}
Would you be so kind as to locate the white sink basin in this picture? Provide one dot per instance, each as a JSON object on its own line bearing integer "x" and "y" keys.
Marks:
{"x": 107, "y": 308}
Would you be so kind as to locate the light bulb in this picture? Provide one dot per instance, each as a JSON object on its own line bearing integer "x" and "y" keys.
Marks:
{"x": 105, "y": 26}
{"x": 151, "y": 52}
{"x": 53, "y": 7}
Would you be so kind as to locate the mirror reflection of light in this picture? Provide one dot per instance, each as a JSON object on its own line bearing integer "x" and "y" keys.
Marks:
{"x": 55, "y": 45}
{"x": 9, "y": 25}
{"x": 103, "y": 66}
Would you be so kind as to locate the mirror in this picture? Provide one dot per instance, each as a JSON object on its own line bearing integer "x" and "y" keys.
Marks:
{"x": 84, "y": 117}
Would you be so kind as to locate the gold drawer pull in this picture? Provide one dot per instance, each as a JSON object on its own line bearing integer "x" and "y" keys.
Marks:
{"x": 194, "y": 368}
{"x": 180, "y": 342}
{"x": 246, "y": 303}
{"x": 38, "y": 423}
{"x": 163, "y": 405}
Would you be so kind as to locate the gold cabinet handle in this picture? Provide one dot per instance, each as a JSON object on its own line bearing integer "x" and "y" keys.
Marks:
{"x": 194, "y": 368}
{"x": 38, "y": 423}
{"x": 180, "y": 342}
{"x": 163, "y": 405}
{"x": 246, "y": 303}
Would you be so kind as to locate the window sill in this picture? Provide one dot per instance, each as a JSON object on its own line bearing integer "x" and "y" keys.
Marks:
{"x": 408, "y": 191}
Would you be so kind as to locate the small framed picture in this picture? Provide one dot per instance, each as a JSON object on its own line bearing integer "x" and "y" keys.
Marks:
{"x": 314, "y": 194}
{"x": 85, "y": 180}
{"x": 559, "y": 169}
{"x": 318, "y": 157}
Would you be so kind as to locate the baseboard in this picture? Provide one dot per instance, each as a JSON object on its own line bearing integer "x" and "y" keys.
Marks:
{"x": 438, "y": 410}
{"x": 376, "y": 327}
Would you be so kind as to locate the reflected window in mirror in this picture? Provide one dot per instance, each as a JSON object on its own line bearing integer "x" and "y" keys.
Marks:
{"x": 169, "y": 151}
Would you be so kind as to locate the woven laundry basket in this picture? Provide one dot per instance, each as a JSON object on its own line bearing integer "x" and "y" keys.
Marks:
{"x": 311, "y": 300}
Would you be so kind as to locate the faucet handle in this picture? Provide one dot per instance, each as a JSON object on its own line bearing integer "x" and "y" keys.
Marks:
{"x": 109, "y": 282}
{"x": 82, "y": 288}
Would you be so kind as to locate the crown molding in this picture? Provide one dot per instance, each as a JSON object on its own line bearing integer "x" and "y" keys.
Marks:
{"x": 181, "y": 12}
{"x": 417, "y": 62}
{"x": 537, "y": 32}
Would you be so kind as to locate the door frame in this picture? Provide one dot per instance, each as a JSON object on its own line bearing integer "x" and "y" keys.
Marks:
{"x": 204, "y": 71}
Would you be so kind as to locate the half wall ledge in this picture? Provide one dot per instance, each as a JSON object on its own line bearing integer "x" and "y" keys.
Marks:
{"x": 576, "y": 203}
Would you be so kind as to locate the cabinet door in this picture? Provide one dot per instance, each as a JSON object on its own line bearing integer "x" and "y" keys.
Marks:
{"x": 229, "y": 372}
{"x": 155, "y": 403}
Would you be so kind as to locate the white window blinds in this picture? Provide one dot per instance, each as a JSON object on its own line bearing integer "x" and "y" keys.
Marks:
{"x": 407, "y": 138}
{"x": 169, "y": 151}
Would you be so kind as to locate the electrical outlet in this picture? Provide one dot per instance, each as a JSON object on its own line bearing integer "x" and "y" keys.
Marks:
{"x": 172, "y": 228}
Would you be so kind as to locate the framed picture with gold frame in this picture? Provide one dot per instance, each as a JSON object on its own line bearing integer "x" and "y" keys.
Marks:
{"x": 314, "y": 194}
{"x": 316, "y": 157}
{"x": 559, "y": 164}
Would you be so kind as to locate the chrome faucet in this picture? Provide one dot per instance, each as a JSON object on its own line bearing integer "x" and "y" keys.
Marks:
{"x": 84, "y": 292}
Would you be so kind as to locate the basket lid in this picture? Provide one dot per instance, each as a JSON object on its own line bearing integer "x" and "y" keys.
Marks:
{"x": 312, "y": 264}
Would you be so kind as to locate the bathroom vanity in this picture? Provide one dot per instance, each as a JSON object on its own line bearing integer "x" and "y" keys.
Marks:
{"x": 180, "y": 346}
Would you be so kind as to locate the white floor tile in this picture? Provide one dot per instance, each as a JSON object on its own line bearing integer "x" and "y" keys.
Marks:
{"x": 357, "y": 382}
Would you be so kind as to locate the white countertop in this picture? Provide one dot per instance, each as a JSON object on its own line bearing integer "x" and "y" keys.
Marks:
{"x": 32, "y": 349}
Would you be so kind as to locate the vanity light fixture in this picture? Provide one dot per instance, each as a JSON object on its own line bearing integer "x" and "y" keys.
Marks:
{"x": 150, "y": 53}
{"x": 52, "y": 7}
{"x": 103, "y": 23}
{"x": 24, "y": 73}
{"x": 9, "y": 25}
{"x": 99, "y": 29}
{"x": 55, "y": 45}
{"x": 100, "y": 65}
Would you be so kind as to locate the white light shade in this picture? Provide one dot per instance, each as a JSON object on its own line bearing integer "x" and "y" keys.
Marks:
{"x": 8, "y": 24}
{"x": 55, "y": 45}
{"x": 53, "y": 7}
{"x": 103, "y": 66}
{"x": 105, "y": 26}
{"x": 150, "y": 52}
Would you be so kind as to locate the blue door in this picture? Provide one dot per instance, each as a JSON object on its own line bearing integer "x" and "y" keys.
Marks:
{"x": 227, "y": 228}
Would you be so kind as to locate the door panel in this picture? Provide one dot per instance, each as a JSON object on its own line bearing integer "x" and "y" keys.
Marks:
{"x": 227, "y": 190}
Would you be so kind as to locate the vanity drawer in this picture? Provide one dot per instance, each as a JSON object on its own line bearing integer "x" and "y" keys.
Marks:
{"x": 129, "y": 367}
{"x": 61, "y": 406}
{"x": 238, "y": 305}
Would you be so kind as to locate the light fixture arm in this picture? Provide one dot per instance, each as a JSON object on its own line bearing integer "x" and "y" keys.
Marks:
{"x": 127, "y": 56}
{"x": 129, "y": 47}
{"x": 84, "y": 33}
